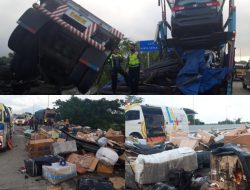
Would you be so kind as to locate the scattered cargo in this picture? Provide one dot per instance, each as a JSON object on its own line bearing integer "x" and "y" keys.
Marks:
{"x": 61, "y": 157}
{"x": 209, "y": 164}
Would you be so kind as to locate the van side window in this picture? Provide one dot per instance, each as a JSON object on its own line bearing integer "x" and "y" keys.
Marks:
{"x": 132, "y": 115}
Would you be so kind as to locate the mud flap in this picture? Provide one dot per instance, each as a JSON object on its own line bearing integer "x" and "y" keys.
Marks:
{"x": 94, "y": 60}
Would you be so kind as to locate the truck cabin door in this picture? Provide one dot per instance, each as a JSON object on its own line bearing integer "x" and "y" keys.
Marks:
{"x": 154, "y": 122}
{"x": 133, "y": 123}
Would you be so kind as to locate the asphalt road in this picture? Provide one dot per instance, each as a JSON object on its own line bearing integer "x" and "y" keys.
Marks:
{"x": 12, "y": 160}
{"x": 238, "y": 89}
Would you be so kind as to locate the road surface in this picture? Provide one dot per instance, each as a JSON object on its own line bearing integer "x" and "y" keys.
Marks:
{"x": 238, "y": 89}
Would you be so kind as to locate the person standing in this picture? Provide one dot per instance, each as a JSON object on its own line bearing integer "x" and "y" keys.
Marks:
{"x": 134, "y": 69}
{"x": 31, "y": 124}
{"x": 115, "y": 61}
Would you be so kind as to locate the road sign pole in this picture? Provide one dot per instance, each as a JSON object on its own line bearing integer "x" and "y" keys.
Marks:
{"x": 148, "y": 60}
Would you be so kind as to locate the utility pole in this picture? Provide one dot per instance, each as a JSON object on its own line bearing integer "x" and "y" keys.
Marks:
{"x": 48, "y": 101}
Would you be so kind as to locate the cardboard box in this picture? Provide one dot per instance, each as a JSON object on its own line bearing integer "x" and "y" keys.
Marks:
{"x": 177, "y": 140}
{"x": 205, "y": 137}
{"x": 102, "y": 168}
{"x": 243, "y": 139}
{"x": 39, "y": 147}
{"x": 118, "y": 182}
{"x": 115, "y": 136}
{"x": 237, "y": 131}
{"x": 83, "y": 162}
{"x": 93, "y": 165}
{"x": 37, "y": 136}
{"x": 191, "y": 143}
{"x": 54, "y": 188}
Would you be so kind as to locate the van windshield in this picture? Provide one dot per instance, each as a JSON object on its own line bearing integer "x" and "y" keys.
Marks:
{"x": 154, "y": 121}
{"x": 20, "y": 117}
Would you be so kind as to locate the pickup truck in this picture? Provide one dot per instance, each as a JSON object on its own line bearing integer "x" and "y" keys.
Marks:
{"x": 61, "y": 43}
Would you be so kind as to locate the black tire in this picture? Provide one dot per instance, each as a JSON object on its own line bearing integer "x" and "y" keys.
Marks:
{"x": 16, "y": 38}
{"x": 87, "y": 81}
{"x": 22, "y": 68}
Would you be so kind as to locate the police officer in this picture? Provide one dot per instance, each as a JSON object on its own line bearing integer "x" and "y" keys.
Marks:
{"x": 134, "y": 69}
{"x": 116, "y": 61}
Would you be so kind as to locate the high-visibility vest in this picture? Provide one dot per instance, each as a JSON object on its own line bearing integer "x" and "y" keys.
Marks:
{"x": 133, "y": 60}
{"x": 114, "y": 58}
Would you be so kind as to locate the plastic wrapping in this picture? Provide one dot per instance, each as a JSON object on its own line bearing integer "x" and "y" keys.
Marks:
{"x": 64, "y": 147}
{"x": 103, "y": 141}
{"x": 156, "y": 167}
{"x": 107, "y": 156}
{"x": 56, "y": 174}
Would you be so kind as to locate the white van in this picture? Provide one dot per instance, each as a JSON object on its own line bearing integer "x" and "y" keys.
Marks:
{"x": 144, "y": 121}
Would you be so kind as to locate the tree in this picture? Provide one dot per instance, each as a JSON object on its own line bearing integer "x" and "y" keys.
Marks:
{"x": 227, "y": 121}
{"x": 125, "y": 46}
{"x": 129, "y": 99}
{"x": 5, "y": 60}
{"x": 101, "y": 113}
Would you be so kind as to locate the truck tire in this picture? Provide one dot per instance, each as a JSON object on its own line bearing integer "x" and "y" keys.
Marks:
{"x": 22, "y": 68}
{"x": 87, "y": 81}
{"x": 16, "y": 38}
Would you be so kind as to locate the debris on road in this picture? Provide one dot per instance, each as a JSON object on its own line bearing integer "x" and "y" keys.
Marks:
{"x": 62, "y": 153}
{"x": 208, "y": 163}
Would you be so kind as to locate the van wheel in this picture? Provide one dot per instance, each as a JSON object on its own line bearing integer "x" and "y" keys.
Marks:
{"x": 136, "y": 135}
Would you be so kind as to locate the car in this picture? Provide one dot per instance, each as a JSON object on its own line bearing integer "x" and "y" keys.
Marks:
{"x": 20, "y": 120}
{"x": 239, "y": 71}
{"x": 246, "y": 79}
{"x": 196, "y": 17}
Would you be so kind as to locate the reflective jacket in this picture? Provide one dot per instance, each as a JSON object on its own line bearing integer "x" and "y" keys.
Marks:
{"x": 134, "y": 60}
{"x": 115, "y": 60}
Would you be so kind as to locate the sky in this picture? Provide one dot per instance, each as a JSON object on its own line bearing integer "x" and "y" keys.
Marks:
{"x": 137, "y": 19}
{"x": 210, "y": 109}
{"x": 31, "y": 103}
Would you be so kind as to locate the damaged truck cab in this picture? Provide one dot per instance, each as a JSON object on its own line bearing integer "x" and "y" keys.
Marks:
{"x": 6, "y": 126}
{"x": 61, "y": 43}
{"x": 154, "y": 123}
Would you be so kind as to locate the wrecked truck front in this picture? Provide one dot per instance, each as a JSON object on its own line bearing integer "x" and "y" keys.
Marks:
{"x": 62, "y": 42}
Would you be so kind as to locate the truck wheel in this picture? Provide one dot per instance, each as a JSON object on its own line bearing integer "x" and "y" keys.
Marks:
{"x": 16, "y": 38}
{"x": 87, "y": 81}
{"x": 23, "y": 68}
{"x": 15, "y": 64}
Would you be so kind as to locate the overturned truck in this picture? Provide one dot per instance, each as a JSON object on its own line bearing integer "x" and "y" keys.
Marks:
{"x": 61, "y": 43}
